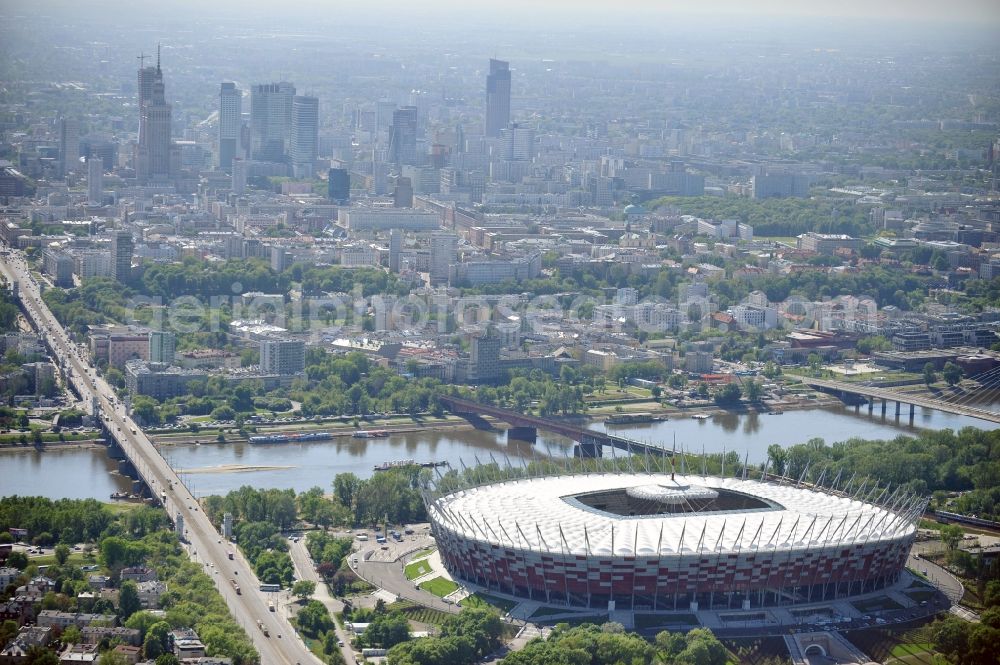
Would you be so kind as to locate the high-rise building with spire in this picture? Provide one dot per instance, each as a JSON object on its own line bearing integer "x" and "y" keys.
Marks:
{"x": 230, "y": 124}
{"x": 153, "y": 160}
{"x": 497, "y": 97}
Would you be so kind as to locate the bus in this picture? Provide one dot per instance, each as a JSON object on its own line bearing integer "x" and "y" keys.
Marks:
{"x": 270, "y": 587}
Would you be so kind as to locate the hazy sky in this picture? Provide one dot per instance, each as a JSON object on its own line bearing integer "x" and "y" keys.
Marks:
{"x": 963, "y": 11}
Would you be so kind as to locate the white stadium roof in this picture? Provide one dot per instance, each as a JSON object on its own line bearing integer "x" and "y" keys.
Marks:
{"x": 540, "y": 514}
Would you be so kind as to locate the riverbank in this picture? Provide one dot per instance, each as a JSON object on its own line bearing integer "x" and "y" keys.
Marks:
{"x": 81, "y": 443}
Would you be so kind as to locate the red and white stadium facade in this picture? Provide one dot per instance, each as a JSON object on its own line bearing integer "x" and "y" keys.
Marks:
{"x": 654, "y": 541}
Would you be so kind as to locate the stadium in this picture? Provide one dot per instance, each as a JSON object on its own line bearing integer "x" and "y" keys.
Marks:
{"x": 660, "y": 541}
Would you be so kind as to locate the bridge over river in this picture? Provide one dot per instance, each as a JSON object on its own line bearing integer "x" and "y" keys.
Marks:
{"x": 525, "y": 427}
{"x": 846, "y": 390}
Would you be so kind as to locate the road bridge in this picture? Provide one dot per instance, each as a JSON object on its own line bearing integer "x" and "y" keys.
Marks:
{"x": 525, "y": 427}
{"x": 248, "y": 604}
{"x": 846, "y": 390}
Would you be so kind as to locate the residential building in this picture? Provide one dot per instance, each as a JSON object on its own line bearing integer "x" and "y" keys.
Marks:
{"x": 383, "y": 220}
{"x": 699, "y": 362}
{"x": 828, "y": 243}
{"x": 780, "y": 186}
{"x": 284, "y": 357}
{"x": 162, "y": 346}
{"x": 158, "y": 380}
{"x": 484, "y": 357}
{"x": 443, "y": 254}
{"x": 122, "y": 249}
{"x": 185, "y": 643}
{"x": 58, "y": 265}
{"x": 63, "y": 620}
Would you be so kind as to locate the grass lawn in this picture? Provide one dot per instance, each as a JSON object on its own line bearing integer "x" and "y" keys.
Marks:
{"x": 75, "y": 558}
{"x": 118, "y": 507}
{"x": 417, "y": 569}
{"x": 486, "y": 600}
{"x": 916, "y": 654}
{"x": 419, "y": 613}
{"x": 422, "y": 553}
{"x": 439, "y": 586}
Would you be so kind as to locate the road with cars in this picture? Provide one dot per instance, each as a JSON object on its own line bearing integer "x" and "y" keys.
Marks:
{"x": 247, "y": 604}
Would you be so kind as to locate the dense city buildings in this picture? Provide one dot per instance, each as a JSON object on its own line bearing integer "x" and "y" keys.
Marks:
{"x": 620, "y": 253}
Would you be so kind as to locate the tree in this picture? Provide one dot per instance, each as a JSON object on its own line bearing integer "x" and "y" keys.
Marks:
{"x": 72, "y": 635}
{"x": 38, "y": 655}
{"x": 345, "y": 485}
{"x": 952, "y": 373}
{"x": 728, "y": 395}
{"x": 314, "y": 619}
{"x": 62, "y": 553}
{"x": 128, "y": 600}
{"x": 17, "y": 560}
{"x": 930, "y": 376}
{"x": 303, "y": 589}
{"x": 753, "y": 391}
{"x": 951, "y": 535}
{"x": 387, "y": 630}
{"x": 814, "y": 361}
{"x": 167, "y": 659}
{"x": 157, "y": 640}
{"x": 777, "y": 457}
{"x": 112, "y": 658}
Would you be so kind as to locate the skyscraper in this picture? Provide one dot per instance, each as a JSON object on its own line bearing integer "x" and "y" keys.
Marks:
{"x": 230, "y": 123}
{"x": 153, "y": 156}
{"x": 497, "y": 97}
{"x": 338, "y": 185}
{"x": 121, "y": 255}
{"x": 95, "y": 179}
{"x": 305, "y": 135}
{"x": 271, "y": 121}
{"x": 403, "y": 139}
{"x": 442, "y": 256}
{"x": 69, "y": 145}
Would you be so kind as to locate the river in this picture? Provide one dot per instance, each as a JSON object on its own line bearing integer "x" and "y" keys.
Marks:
{"x": 217, "y": 468}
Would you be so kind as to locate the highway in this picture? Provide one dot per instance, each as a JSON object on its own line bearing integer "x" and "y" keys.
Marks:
{"x": 205, "y": 544}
